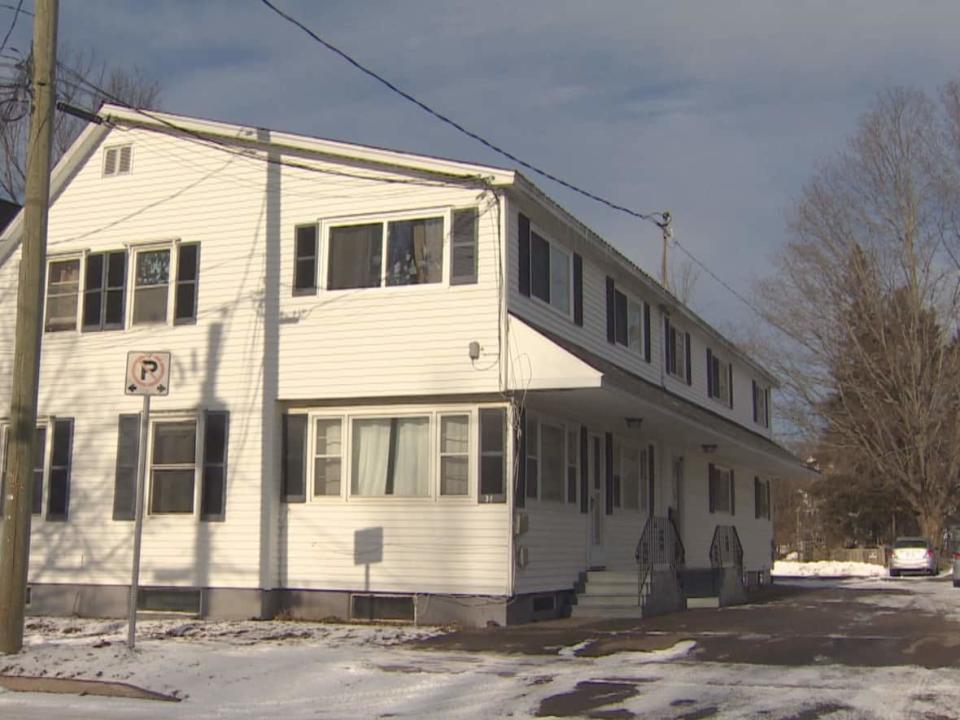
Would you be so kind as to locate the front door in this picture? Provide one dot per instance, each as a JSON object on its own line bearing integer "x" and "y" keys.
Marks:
{"x": 597, "y": 486}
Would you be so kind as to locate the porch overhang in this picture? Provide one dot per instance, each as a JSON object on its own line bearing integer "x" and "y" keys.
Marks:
{"x": 563, "y": 375}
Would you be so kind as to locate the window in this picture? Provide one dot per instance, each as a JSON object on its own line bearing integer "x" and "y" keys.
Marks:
{"x": 104, "y": 285}
{"x": 761, "y": 404}
{"x": 761, "y": 495}
{"x": 173, "y": 467}
{"x": 721, "y": 489}
{"x": 454, "y": 454}
{"x": 181, "y": 452}
{"x": 398, "y": 252}
{"x": 573, "y": 465}
{"x": 677, "y": 351}
{"x": 117, "y": 160}
{"x": 628, "y": 321}
{"x": 63, "y": 287}
{"x": 553, "y": 453}
{"x": 50, "y": 467}
{"x": 493, "y": 441}
{"x": 533, "y": 464}
{"x": 464, "y": 247}
{"x": 152, "y": 286}
{"x": 391, "y": 456}
{"x": 719, "y": 379}
{"x": 550, "y": 273}
{"x": 305, "y": 260}
{"x": 327, "y": 456}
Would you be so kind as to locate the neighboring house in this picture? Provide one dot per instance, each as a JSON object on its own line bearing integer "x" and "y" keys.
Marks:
{"x": 401, "y": 387}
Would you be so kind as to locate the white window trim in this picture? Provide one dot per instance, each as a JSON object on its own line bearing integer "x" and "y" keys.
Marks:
{"x": 567, "y": 428}
{"x": 131, "y": 290}
{"x": 79, "y": 256}
{"x": 536, "y": 229}
{"x": 723, "y": 380}
{"x": 175, "y": 417}
{"x": 348, "y": 415}
{"x": 323, "y": 243}
{"x": 680, "y": 372}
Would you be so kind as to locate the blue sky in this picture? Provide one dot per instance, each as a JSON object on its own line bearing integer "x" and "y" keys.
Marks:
{"x": 716, "y": 111}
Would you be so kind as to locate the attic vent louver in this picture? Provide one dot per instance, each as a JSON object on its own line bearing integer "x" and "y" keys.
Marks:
{"x": 117, "y": 160}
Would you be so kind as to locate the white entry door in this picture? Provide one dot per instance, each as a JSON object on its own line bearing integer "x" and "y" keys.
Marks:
{"x": 597, "y": 500}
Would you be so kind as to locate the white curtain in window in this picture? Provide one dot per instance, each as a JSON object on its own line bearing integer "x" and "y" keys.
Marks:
{"x": 371, "y": 451}
{"x": 412, "y": 466}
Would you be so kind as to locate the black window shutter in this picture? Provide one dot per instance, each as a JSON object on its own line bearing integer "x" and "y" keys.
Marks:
{"x": 686, "y": 345}
{"x": 756, "y": 498}
{"x": 753, "y": 394}
{"x": 667, "y": 345}
{"x": 709, "y": 373}
{"x": 523, "y": 224}
{"x": 652, "y": 475}
{"x": 733, "y": 493}
{"x": 730, "y": 385}
{"x": 766, "y": 402}
{"x": 769, "y": 507}
{"x": 584, "y": 473}
{"x": 578, "y": 289}
{"x": 294, "y": 458}
{"x": 611, "y": 311}
{"x": 58, "y": 495}
{"x": 213, "y": 497}
{"x": 608, "y": 457}
{"x": 188, "y": 281}
{"x": 305, "y": 259}
{"x": 125, "y": 482}
{"x": 520, "y": 459}
{"x": 646, "y": 332}
{"x": 710, "y": 492}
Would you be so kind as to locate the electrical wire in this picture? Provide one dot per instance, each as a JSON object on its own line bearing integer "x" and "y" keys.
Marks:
{"x": 16, "y": 16}
{"x": 649, "y": 217}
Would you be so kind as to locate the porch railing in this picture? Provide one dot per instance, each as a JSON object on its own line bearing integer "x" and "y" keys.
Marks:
{"x": 659, "y": 548}
{"x": 726, "y": 551}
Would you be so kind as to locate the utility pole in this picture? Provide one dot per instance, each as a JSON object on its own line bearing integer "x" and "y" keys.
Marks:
{"x": 18, "y": 491}
{"x": 667, "y": 231}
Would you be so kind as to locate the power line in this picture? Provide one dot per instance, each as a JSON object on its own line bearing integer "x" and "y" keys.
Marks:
{"x": 16, "y": 16}
{"x": 649, "y": 217}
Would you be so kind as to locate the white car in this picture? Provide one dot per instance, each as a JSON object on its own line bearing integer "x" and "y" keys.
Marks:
{"x": 913, "y": 554}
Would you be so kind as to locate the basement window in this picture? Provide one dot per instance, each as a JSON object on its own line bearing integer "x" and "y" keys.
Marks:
{"x": 169, "y": 600}
{"x": 382, "y": 607}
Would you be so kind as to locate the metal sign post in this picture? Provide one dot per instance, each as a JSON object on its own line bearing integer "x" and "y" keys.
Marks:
{"x": 148, "y": 374}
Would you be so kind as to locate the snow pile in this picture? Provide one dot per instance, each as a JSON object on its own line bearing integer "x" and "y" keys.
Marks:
{"x": 827, "y": 568}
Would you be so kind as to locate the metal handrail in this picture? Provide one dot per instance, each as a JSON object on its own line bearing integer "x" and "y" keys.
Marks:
{"x": 659, "y": 545}
{"x": 726, "y": 551}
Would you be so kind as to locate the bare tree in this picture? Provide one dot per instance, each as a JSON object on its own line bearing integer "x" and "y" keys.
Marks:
{"x": 82, "y": 81}
{"x": 863, "y": 308}
{"x": 684, "y": 279}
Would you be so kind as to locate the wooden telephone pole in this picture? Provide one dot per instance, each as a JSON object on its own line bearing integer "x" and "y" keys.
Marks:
{"x": 18, "y": 491}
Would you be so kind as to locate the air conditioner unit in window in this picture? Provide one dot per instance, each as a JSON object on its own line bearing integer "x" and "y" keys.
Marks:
{"x": 521, "y": 523}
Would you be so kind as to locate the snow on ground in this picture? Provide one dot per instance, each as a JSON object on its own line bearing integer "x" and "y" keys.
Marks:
{"x": 248, "y": 670}
{"x": 824, "y": 568}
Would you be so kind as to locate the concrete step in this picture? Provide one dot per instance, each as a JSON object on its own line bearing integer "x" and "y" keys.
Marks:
{"x": 612, "y": 585}
{"x": 592, "y": 600}
{"x": 612, "y": 576}
{"x": 694, "y": 603}
{"x": 605, "y": 611}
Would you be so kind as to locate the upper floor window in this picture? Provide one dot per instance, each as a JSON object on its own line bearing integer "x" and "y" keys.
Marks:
{"x": 550, "y": 272}
{"x": 719, "y": 379}
{"x": 676, "y": 351}
{"x": 761, "y": 404}
{"x": 398, "y": 252}
{"x": 628, "y": 321}
{"x": 104, "y": 286}
{"x": 117, "y": 160}
{"x": 63, "y": 286}
{"x": 155, "y": 288}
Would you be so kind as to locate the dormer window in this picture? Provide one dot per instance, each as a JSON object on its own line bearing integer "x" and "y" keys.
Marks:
{"x": 117, "y": 160}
